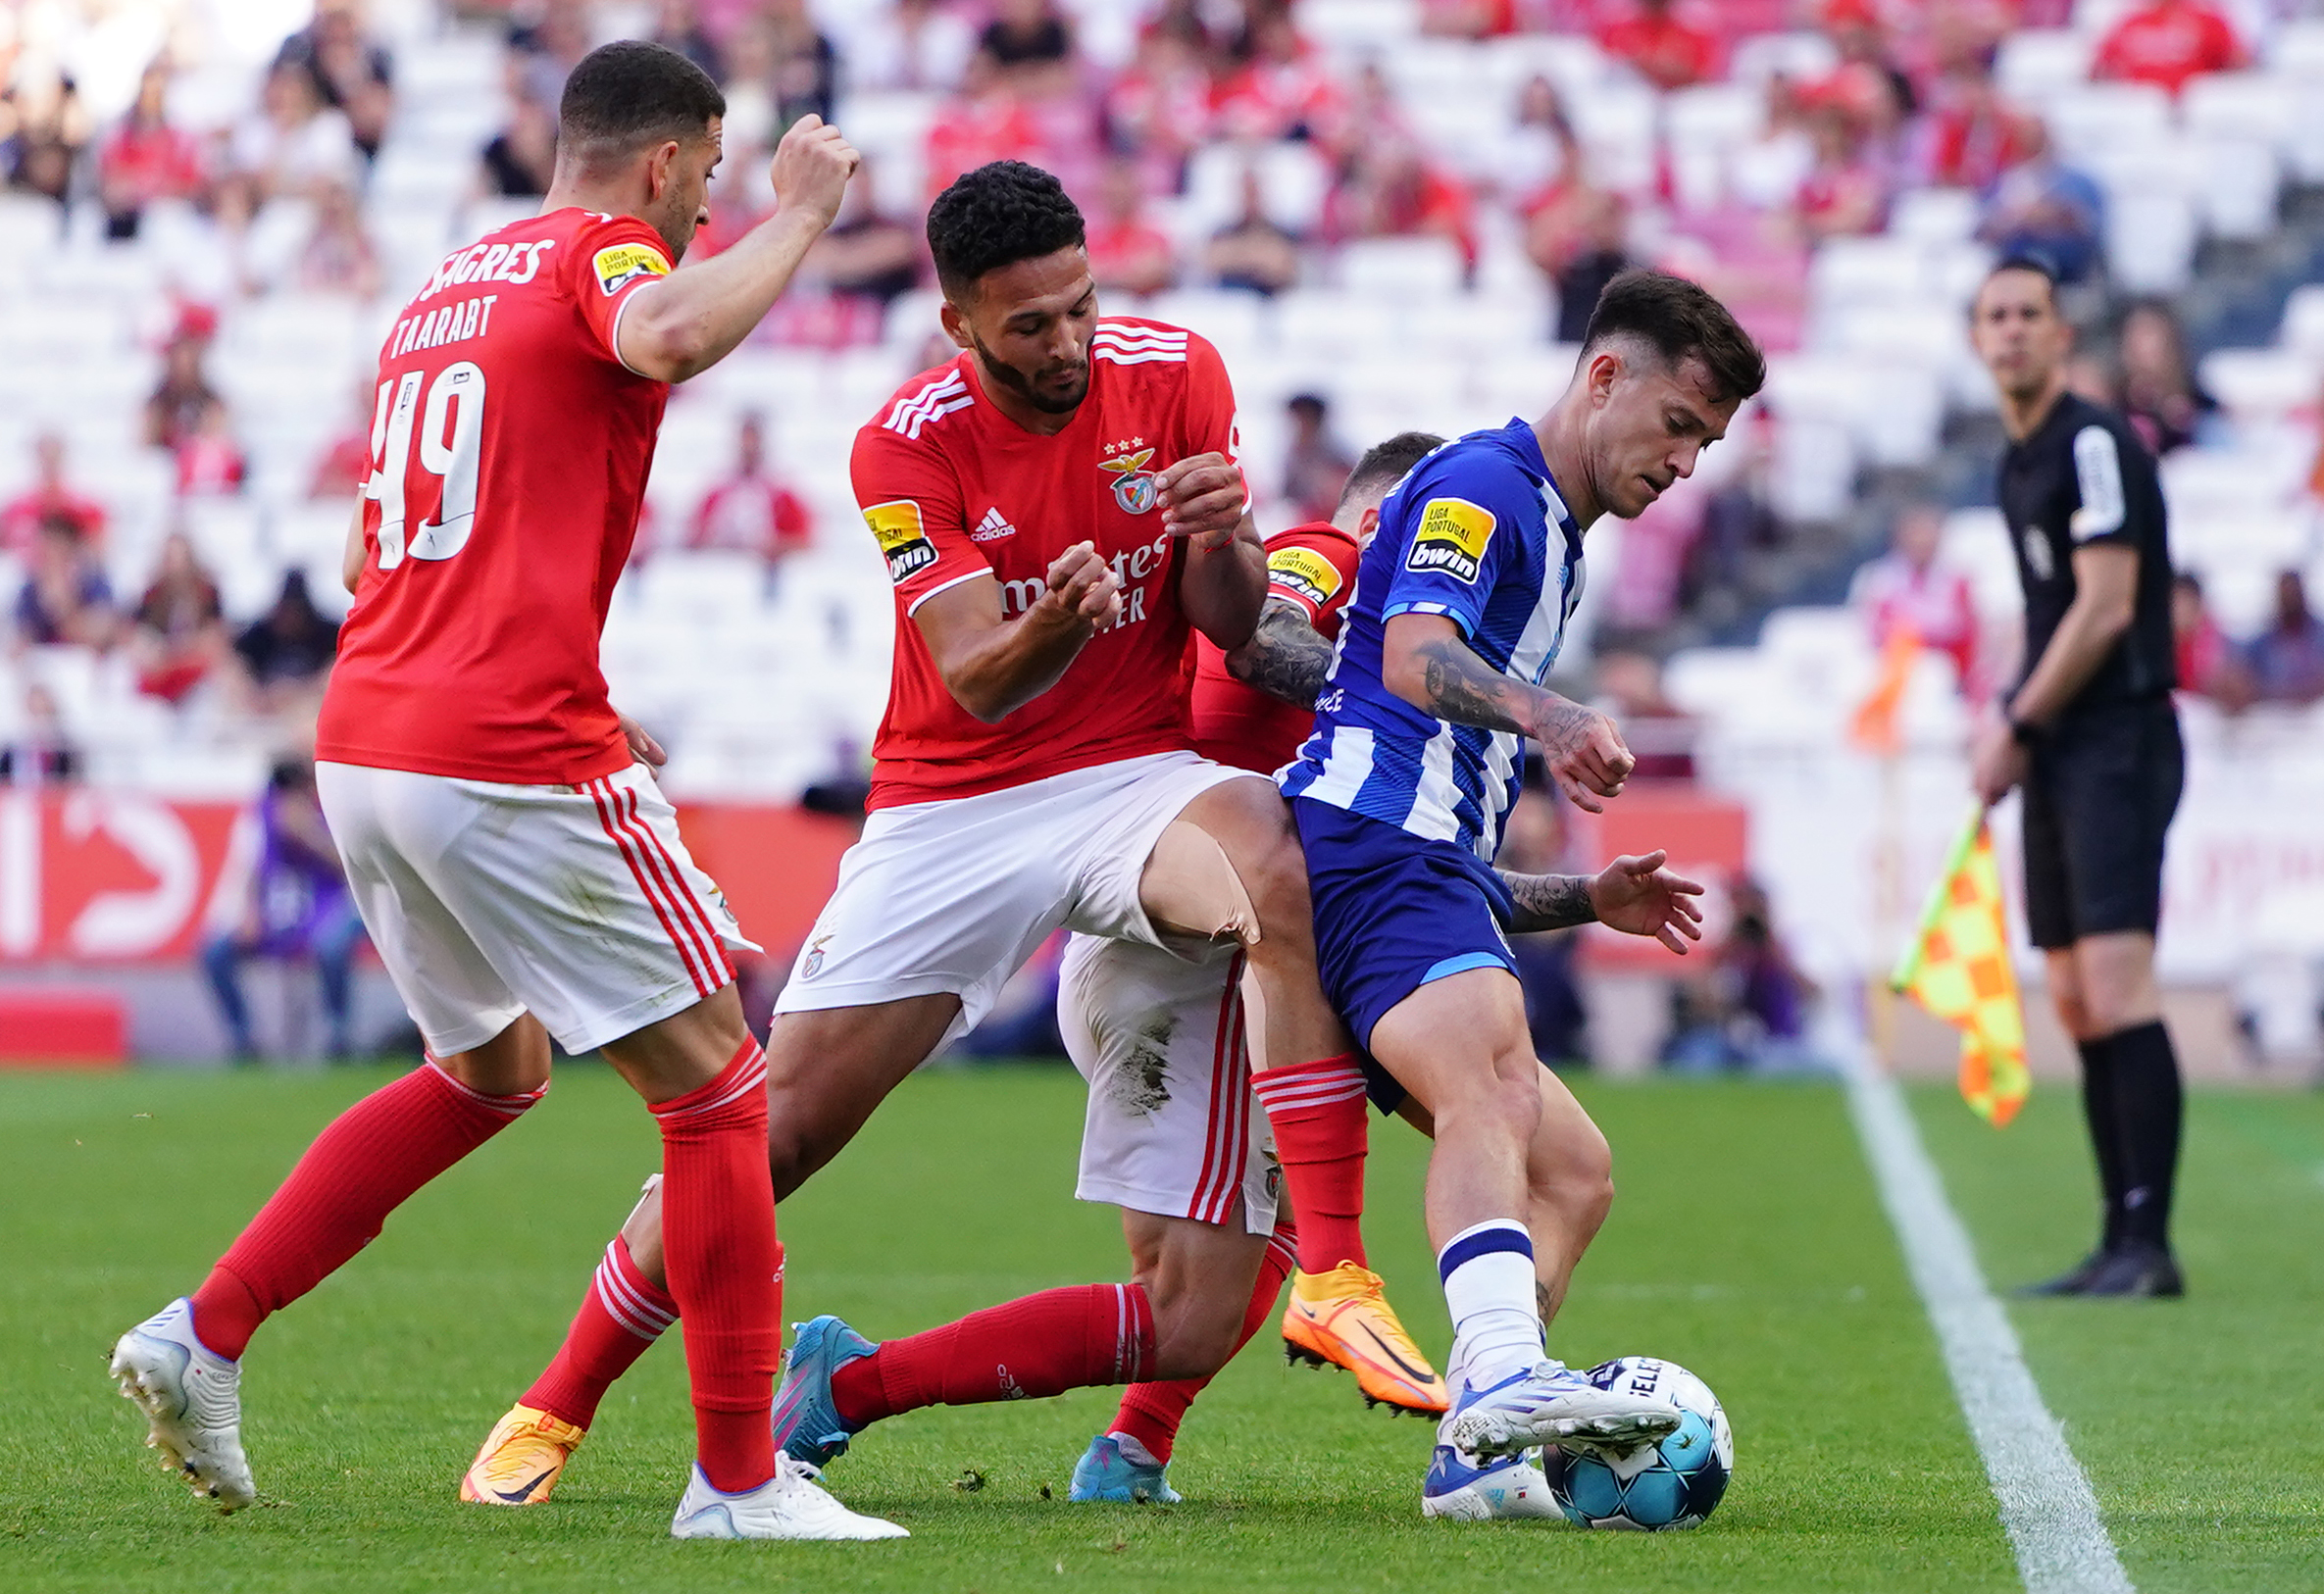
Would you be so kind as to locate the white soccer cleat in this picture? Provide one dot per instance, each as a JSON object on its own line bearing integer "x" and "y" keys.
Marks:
{"x": 1469, "y": 1488}
{"x": 1550, "y": 1403}
{"x": 790, "y": 1505}
{"x": 192, "y": 1400}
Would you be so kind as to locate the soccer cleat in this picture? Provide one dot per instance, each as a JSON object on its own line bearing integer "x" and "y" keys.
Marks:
{"x": 807, "y": 1424}
{"x": 1341, "y": 1318}
{"x": 192, "y": 1401}
{"x": 1551, "y": 1404}
{"x": 1468, "y": 1488}
{"x": 2075, "y": 1280}
{"x": 790, "y": 1505}
{"x": 1104, "y": 1473}
{"x": 522, "y": 1459}
{"x": 2138, "y": 1270}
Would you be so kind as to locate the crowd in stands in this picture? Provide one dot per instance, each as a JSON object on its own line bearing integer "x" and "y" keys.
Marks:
{"x": 1230, "y": 147}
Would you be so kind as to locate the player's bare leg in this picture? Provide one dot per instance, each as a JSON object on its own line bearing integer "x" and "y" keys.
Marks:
{"x": 1460, "y": 1045}
{"x": 1569, "y": 1177}
{"x": 1231, "y": 865}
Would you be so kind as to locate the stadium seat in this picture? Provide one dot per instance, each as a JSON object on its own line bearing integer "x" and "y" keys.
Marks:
{"x": 2150, "y": 241}
{"x": 2303, "y": 328}
{"x": 1401, "y": 270}
{"x": 2090, "y": 120}
{"x": 2262, "y": 384}
{"x": 1355, "y": 27}
{"x": 2035, "y": 64}
{"x": 2238, "y": 186}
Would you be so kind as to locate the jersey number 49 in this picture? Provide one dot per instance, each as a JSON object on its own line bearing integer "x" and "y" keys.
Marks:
{"x": 450, "y": 429}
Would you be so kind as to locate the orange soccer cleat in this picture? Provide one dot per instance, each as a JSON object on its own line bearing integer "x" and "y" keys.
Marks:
{"x": 1341, "y": 1318}
{"x": 521, "y": 1460}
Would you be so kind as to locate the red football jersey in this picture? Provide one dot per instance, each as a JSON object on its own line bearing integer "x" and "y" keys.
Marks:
{"x": 953, "y": 489}
{"x": 509, "y": 454}
{"x": 1313, "y": 566}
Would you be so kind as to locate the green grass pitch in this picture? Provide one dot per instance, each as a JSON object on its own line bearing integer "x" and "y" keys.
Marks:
{"x": 1746, "y": 1244}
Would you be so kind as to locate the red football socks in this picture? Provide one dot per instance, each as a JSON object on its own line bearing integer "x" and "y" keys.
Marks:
{"x": 368, "y": 1162}
{"x": 620, "y": 1318}
{"x": 717, "y": 1241}
{"x": 1040, "y": 1345}
{"x": 1151, "y": 1411}
{"x": 1317, "y": 1112}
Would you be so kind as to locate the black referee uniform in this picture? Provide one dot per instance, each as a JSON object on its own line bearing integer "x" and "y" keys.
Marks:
{"x": 2101, "y": 784}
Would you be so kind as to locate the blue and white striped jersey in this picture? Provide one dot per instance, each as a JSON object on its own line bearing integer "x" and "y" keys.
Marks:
{"x": 1475, "y": 531}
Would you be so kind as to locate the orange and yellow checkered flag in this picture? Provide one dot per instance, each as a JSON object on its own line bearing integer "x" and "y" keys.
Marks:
{"x": 1958, "y": 969}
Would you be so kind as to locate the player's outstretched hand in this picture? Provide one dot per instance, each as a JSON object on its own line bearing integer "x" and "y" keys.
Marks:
{"x": 642, "y": 745}
{"x": 1637, "y": 896}
{"x": 1585, "y": 753}
{"x": 1202, "y": 498}
{"x": 1084, "y": 587}
{"x": 811, "y": 169}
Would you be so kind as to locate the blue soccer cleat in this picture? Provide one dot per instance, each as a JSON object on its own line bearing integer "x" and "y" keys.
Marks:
{"x": 807, "y": 1425}
{"x": 1549, "y": 1403}
{"x": 1104, "y": 1474}
{"x": 1468, "y": 1488}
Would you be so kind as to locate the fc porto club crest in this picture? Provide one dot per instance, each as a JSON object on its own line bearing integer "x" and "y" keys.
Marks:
{"x": 1134, "y": 486}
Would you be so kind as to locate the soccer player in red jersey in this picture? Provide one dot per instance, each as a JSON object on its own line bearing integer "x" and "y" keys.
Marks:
{"x": 1060, "y": 508}
{"x": 515, "y": 863}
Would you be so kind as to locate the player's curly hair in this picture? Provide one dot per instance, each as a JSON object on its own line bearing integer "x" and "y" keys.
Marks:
{"x": 1001, "y": 212}
{"x": 630, "y": 95}
{"x": 1681, "y": 320}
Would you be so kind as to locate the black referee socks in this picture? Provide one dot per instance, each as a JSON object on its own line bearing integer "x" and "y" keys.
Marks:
{"x": 2148, "y": 1109}
{"x": 2105, "y": 1137}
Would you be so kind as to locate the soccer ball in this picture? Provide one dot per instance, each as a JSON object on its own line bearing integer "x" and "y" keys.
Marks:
{"x": 1675, "y": 1483}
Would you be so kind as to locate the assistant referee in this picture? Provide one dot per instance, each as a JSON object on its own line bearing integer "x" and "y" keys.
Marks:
{"x": 2090, "y": 735}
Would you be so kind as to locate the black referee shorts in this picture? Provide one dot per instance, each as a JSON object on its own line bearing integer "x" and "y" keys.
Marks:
{"x": 2099, "y": 795}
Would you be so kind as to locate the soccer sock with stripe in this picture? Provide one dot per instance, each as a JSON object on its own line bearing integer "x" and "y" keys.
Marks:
{"x": 2150, "y": 1110}
{"x": 1317, "y": 1112}
{"x": 1150, "y": 1412}
{"x": 718, "y": 1242}
{"x": 620, "y": 1318}
{"x": 1027, "y": 1349}
{"x": 368, "y": 1162}
{"x": 2105, "y": 1135}
{"x": 1487, "y": 1270}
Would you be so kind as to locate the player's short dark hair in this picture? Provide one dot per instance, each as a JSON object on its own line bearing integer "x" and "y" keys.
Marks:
{"x": 2027, "y": 260}
{"x": 996, "y": 216}
{"x": 632, "y": 94}
{"x": 1385, "y": 464}
{"x": 1681, "y": 322}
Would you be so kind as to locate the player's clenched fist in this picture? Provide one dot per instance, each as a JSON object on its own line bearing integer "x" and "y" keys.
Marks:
{"x": 811, "y": 169}
{"x": 1584, "y": 751}
{"x": 1202, "y": 498}
{"x": 1082, "y": 586}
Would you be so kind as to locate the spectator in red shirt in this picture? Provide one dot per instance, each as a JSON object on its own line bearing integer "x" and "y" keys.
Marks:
{"x": 1128, "y": 254}
{"x": 210, "y": 462}
{"x": 1971, "y": 136}
{"x": 752, "y": 511}
{"x": 1904, "y": 590}
{"x": 339, "y": 256}
{"x": 145, "y": 159}
{"x": 1845, "y": 193}
{"x": 985, "y": 122}
{"x": 2204, "y": 657}
{"x": 1666, "y": 49}
{"x": 1159, "y": 110}
{"x": 1392, "y": 191}
{"x": 345, "y": 463}
{"x": 1280, "y": 88}
{"x": 1469, "y": 19}
{"x": 2165, "y": 42}
{"x": 179, "y": 631}
{"x": 51, "y": 498}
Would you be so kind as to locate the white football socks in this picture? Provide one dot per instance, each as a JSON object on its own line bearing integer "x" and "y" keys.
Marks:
{"x": 1488, "y": 1269}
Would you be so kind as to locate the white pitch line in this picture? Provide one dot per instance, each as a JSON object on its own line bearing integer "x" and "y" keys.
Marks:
{"x": 2047, "y": 1504}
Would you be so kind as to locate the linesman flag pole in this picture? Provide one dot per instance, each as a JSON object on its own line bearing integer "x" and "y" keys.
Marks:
{"x": 1957, "y": 969}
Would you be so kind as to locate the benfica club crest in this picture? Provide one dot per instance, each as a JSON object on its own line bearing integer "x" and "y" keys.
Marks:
{"x": 1134, "y": 486}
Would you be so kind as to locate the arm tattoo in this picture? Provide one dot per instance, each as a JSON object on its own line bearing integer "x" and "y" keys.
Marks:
{"x": 1285, "y": 658}
{"x": 1466, "y": 690}
{"x": 1547, "y": 902}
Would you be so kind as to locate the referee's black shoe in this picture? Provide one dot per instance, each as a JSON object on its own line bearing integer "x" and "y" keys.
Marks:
{"x": 2138, "y": 1268}
{"x": 2075, "y": 1280}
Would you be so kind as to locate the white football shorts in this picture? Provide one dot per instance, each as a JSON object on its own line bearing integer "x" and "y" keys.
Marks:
{"x": 954, "y": 895}
{"x": 1172, "y": 1126}
{"x": 578, "y": 904}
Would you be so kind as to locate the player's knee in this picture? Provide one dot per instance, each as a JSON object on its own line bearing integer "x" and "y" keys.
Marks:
{"x": 1276, "y": 881}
